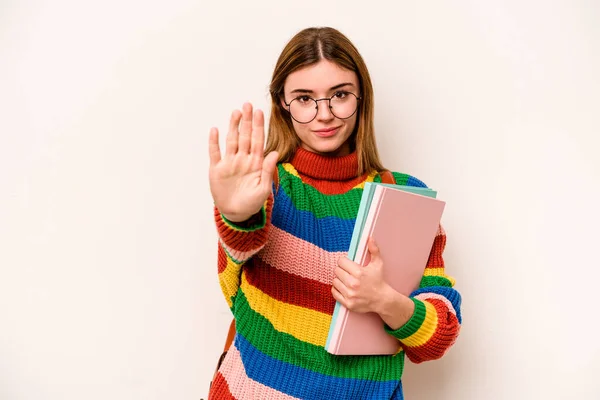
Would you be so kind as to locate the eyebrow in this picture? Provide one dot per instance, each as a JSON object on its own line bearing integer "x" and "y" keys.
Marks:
{"x": 330, "y": 89}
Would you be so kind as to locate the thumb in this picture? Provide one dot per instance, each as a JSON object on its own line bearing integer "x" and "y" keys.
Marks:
{"x": 373, "y": 249}
{"x": 268, "y": 168}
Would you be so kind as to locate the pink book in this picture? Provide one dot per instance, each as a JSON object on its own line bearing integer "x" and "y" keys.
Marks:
{"x": 404, "y": 226}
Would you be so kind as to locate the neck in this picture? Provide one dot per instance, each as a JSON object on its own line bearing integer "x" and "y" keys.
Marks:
{"x": 325, "y": 167}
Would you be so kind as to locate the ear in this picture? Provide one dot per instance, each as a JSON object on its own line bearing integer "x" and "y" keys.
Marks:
{"x": 282, "y": 102}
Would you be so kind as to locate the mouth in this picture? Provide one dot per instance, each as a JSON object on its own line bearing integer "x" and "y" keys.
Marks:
{"x": 327, "y": 132}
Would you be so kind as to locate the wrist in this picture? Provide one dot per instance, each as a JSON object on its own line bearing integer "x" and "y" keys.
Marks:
{"x": 252, "y": 222}
{"x": 395, "y": 309}
{"x": 237, "y": 218}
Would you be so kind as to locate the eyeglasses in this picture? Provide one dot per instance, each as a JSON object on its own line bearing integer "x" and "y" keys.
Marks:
{"x": 304, "y": 109}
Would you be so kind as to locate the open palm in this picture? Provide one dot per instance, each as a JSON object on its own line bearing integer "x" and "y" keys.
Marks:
{"x": 241, "y": 180}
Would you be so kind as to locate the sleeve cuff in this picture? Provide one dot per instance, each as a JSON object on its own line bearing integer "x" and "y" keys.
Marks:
{"x": 254, "y": 223}
{"x": 413, "y": 324}
{"x": 246, "y": 236}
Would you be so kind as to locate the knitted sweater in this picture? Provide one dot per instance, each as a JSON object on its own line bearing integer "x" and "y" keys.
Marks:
{"x": 276, "y": 273}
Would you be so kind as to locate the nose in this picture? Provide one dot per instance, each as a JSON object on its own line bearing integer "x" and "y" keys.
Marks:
{"x": 323, "y": 111}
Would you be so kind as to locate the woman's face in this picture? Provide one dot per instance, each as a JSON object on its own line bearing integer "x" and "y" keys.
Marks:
{"x": 326, "y": 134}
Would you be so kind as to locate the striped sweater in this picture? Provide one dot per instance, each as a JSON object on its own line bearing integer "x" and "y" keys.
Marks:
{"x": 276, "y": 273}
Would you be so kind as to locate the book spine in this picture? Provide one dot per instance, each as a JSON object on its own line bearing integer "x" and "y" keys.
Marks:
{"x": 360, "y": 256}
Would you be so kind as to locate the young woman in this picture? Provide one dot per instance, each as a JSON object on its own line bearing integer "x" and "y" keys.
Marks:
{"x": 282, "y": 247}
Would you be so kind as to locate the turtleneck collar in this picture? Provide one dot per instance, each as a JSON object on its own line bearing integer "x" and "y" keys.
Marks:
{"x": 318, "y": 166}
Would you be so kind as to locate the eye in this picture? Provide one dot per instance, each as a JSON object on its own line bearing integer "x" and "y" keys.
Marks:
{"x": 340, "y": 94}
{"x": 303, "y": 99}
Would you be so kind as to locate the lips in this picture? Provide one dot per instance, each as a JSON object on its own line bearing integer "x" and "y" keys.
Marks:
{"x": 327, "y": 132}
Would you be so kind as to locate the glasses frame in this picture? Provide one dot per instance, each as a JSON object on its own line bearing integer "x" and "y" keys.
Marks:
{"x": 288, "y": 105}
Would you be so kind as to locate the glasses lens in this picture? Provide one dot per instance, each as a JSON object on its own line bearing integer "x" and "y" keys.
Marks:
{"x": 303, "y": 109}
{"x": 343, "y": 105}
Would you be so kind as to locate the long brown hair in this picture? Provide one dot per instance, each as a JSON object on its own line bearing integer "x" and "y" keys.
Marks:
{"x": 306, "y": 48}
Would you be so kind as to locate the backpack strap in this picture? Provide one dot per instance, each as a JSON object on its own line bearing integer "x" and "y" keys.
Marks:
{"x": 387, "y": 177}
{"x": 230, "y": 336}
{"x": 228, "y": 342}
{"x": 276, "y": 179}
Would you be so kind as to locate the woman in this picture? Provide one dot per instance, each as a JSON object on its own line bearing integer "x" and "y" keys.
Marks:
{"x": 282, "y": 246}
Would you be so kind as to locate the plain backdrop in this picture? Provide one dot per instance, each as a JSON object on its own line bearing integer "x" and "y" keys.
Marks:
{"x": 108, "y": 277}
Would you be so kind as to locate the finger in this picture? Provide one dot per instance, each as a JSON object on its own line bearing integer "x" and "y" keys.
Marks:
{"x": 245, "y": 129}
{"x": 231, "y": 144}
{"x": 214, "y": 151}
{"x": 338, "y": 296}
{"x": 339, "y": 288}
{"x": 258, "y": 133}
{"x": 349, "y": 266}
{"x": 345, "y": 278}
{"x": 268, "y": 169}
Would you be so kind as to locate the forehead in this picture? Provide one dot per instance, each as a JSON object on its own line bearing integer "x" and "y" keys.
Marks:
{"x": 320, "y": 77}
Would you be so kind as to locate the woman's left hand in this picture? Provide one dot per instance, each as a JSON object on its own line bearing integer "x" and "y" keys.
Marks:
{"x": 360, "y": 288}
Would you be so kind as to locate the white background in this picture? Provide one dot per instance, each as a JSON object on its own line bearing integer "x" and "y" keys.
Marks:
{"x": 108, "y": 282}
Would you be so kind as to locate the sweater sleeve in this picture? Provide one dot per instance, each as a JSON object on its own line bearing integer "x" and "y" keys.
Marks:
{"x": 435, "y": 323}
{"x": 238, "y": 242}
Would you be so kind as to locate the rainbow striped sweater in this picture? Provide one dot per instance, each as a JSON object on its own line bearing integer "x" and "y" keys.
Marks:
{"x": 276, "y": 273}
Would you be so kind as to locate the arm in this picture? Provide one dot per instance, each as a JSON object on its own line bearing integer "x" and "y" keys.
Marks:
{"x": 427, "y": 322}
{"x": 238, "y": 242}
{"x": 241, "y": 186}
{"x": 435, "y": 322}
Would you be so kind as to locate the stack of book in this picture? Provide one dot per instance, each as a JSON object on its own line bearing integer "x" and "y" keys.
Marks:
{"x": 404, "y": 221}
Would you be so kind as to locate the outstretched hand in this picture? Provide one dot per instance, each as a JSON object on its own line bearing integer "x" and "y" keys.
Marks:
{"x": 241, "y": 179}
